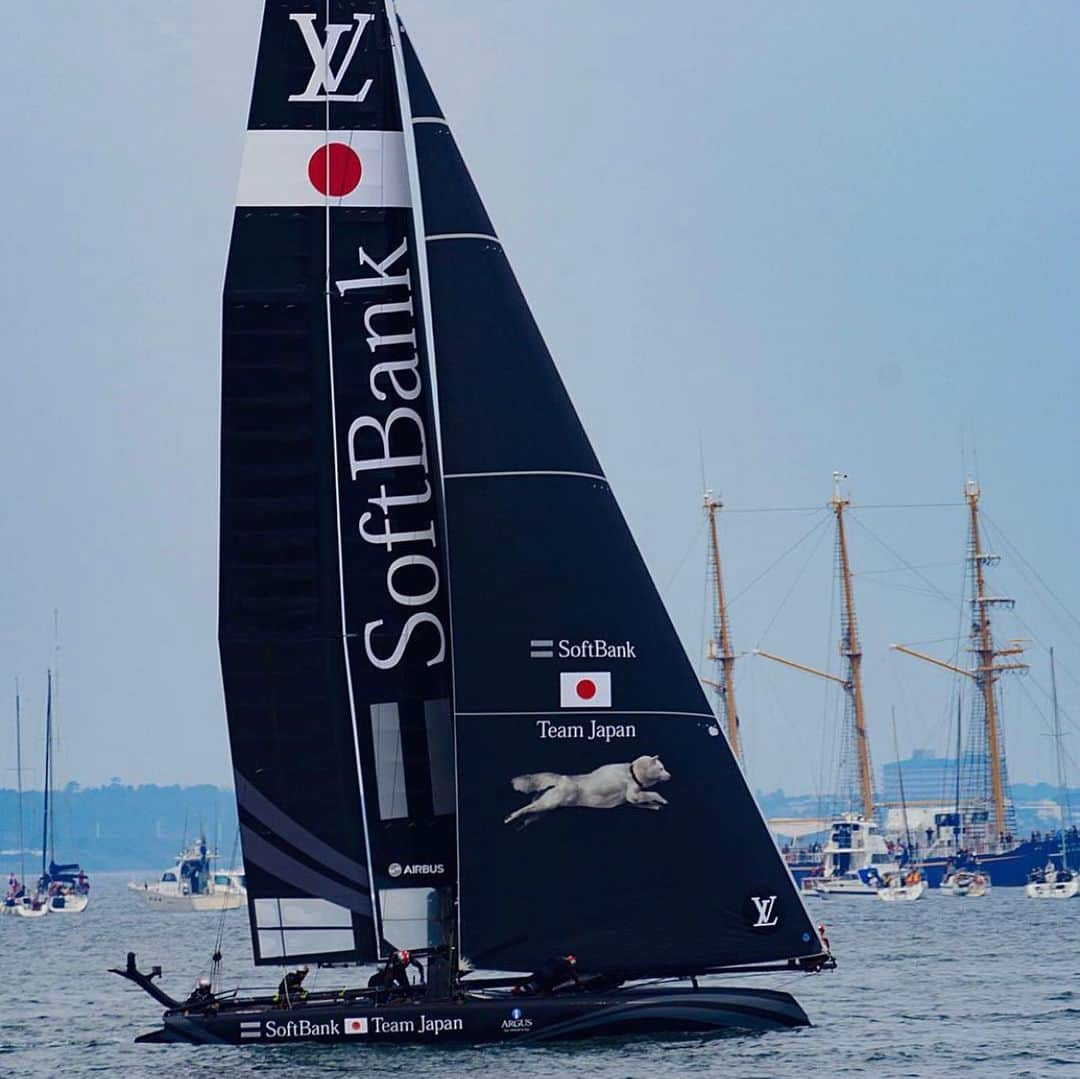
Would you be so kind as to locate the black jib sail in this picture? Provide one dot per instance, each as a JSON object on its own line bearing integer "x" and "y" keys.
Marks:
{"x": 334, "y": 632}
{"x": 601, "y": 811}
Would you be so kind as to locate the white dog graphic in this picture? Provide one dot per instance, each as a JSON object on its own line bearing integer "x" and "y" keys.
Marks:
{"x": 605, "y": 787}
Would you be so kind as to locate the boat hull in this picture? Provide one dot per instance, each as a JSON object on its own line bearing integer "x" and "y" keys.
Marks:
{"x": 477, "y": 1019}
{"x": 172, "y": 901}
{"x": 1064, "y": 889}
{"x": 904, "y": 893}
{"x": 32, "y": 912}
{"x": 69, "y": 904}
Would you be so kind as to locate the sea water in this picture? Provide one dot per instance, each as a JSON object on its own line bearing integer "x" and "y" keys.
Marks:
{"x": 979, "y": 987}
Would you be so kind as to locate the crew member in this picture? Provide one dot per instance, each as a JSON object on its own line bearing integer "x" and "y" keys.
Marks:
{"x": 201, "y": 996}
{"x": 555, "y": 973}
{"x": 291, "y": 989}
{"x": 396, "y": 972}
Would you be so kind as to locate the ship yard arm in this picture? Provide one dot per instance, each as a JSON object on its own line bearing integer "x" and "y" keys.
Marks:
{"x": 803, "y": 667}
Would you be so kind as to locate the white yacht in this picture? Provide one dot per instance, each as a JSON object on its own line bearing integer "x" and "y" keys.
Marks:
{"x": 192, "y": 884}
{"x": 1052, "y": 882}
{"x": 965, "y": 883}
{"x": 855, "y": 861}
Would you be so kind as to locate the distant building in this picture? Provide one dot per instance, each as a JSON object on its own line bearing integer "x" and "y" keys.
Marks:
{"x": 927, "y": 778}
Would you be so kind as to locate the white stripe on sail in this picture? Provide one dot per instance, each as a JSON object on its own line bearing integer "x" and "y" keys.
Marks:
{"x": 275, "y": 168}
{"x": 462, "y": 236}
{"x": 531, "y": 472}
{"x": 618, "y": 711}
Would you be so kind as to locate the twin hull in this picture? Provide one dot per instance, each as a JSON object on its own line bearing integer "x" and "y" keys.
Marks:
{"x": 477, "y": 1019}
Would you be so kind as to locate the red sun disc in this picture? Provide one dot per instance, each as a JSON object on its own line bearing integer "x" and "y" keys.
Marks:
{"x": 335, "y": 170}
{"x": 586, "y": 689}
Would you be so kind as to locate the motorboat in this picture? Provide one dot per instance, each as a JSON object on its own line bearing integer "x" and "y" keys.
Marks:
{"x": 192, "y": 884}
{"x": 855, "y": 861}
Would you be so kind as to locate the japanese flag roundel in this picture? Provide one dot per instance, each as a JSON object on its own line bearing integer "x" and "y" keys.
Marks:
{"x": 588, "y": 689}
{"x": 356, "y": 1026}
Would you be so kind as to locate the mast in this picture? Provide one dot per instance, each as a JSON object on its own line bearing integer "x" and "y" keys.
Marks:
{"x": 983, "y": 647}
{"x": 720, "y": 650}
{"x": 957, "y": 825}
{"x": 986, "y": 669}
{"x": 851, "y": 649}
{"x": 45, "y": 835}
{"x": 1062, "y": 789}
{"x": 900, "y": 776}
{"x": 18, "y": 772}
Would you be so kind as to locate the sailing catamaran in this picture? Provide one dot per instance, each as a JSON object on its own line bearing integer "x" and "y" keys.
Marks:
{"x": 462, "y": 723}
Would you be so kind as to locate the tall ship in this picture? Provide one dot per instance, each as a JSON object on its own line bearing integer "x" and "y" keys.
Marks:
{"x": 466, "y": 737}
{"x": 980, "y": 832}
{"x": 855, "y": 859}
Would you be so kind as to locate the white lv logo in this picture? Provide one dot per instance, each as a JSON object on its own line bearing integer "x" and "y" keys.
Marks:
{"x": 764, "y": 906}
{"x": 323, "y": 76}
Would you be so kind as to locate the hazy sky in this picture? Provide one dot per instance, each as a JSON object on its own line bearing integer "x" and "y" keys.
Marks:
{"x": 802, "y": 237}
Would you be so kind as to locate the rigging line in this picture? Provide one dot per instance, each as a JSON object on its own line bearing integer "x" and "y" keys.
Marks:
{"x": 794, "y": 584}
{"x": 911, "y": 506}
{"x": 877, "y": 506}
{"x": 1046, "y": 693}
{"x": 1034, "y": 571}
{"x": 900, "y": 558}
{"x": 768, "y": 569}
{"x": 827, "y": 749}
{"x": 900, "y": 569}
{"x": 694, "y": 540}
{"x": 935, "y": 640}
{"x": 1044, "y": 646}
{"x": 911, "y": 589}
{"x": 775, "y": 509}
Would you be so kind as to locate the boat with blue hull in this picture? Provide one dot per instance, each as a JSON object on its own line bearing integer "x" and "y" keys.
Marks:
{"x": 419, "y": 781}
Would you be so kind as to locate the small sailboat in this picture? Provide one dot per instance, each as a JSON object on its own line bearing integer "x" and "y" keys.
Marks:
{"x": 1056, "y": 881}
{"x": 963, "y": 878}
{"x": 965, "y": 883}
{"x": 193, "y": 884}
{"x": 15, "y": 896}
{"x": 909, "y": 884}
{"x": 65, "y": 888}
{"x": 525, "y": 779}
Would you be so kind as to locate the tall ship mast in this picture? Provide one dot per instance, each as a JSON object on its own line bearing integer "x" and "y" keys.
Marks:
{"x": 990, "y": 819}
{"x": 720, "y": 651}
{"x": 856, "y": 770}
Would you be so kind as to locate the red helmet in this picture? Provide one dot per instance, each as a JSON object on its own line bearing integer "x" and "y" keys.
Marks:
{"x": 404, "y": 955}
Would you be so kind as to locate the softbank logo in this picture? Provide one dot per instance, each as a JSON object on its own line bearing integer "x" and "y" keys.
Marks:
{"x": 324, "y": 81}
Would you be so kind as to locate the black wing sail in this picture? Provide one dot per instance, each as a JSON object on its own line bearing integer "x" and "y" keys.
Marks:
{"x": 601, "y": 811}
{"x": 334, "y": 634}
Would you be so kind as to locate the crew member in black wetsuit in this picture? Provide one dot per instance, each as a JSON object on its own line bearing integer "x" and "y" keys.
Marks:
{"x": 291, "y": 989}
{"x": 553, "y": 974}
{"x": 202, "y": 996}
{"x": 395, "y": 975}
